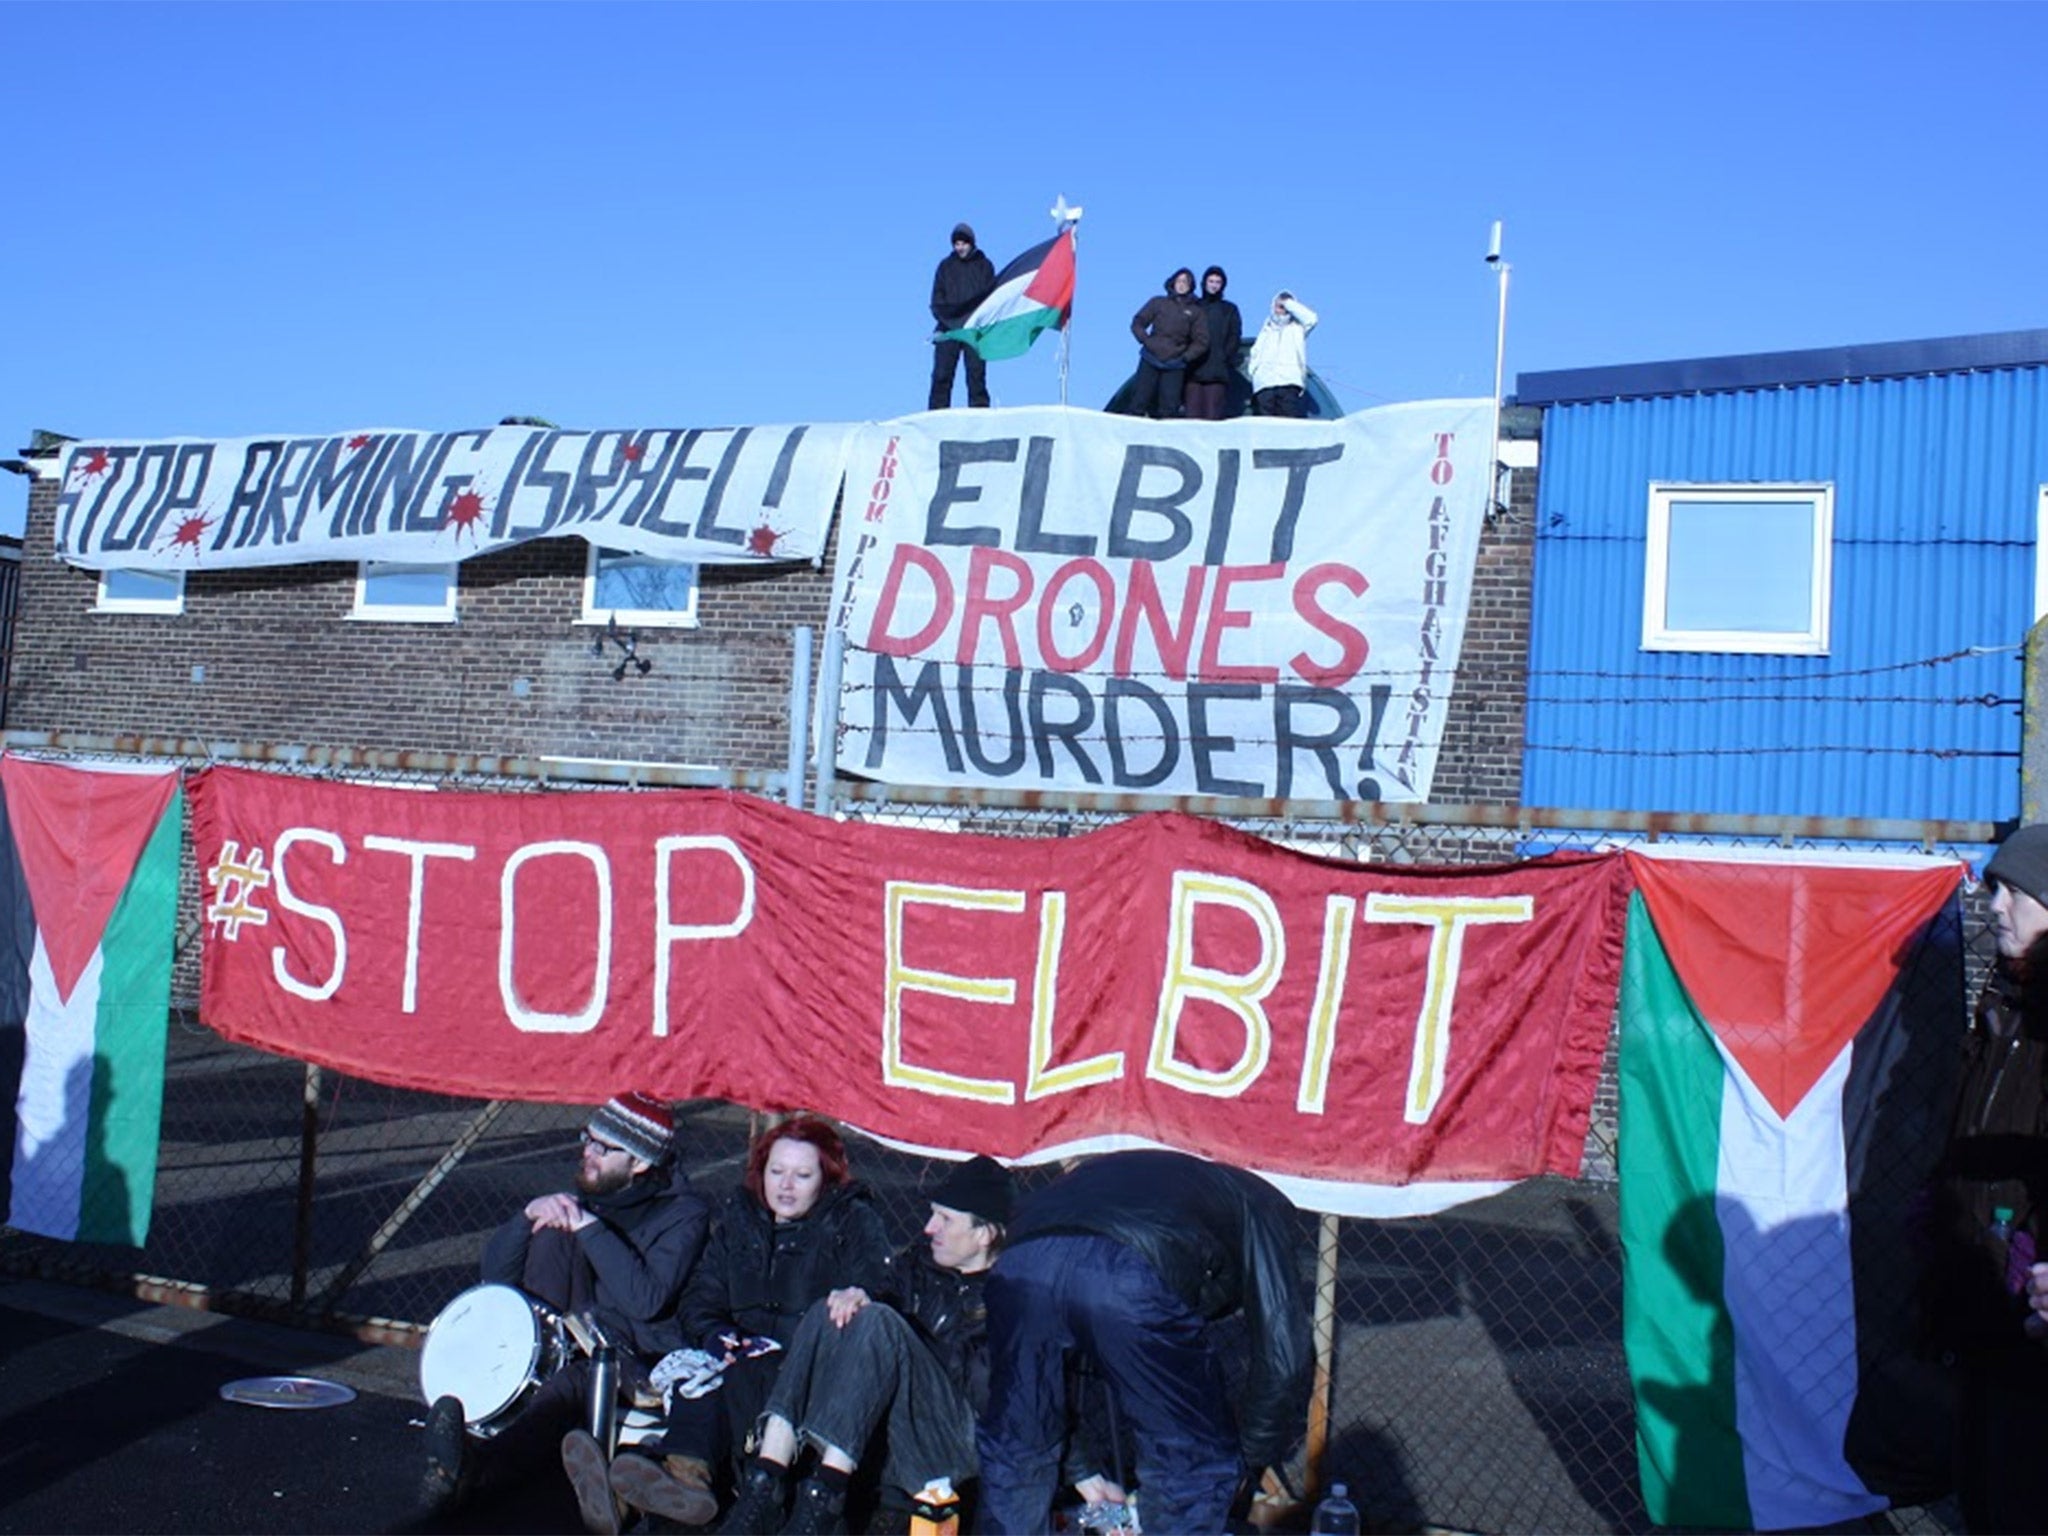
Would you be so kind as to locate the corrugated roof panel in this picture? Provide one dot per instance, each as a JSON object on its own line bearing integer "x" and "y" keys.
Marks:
{"x": 1937, "y": 482}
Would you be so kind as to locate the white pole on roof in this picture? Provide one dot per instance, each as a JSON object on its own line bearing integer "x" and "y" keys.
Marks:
{"x": 1067, "y": 218}
{"x": 1500, "y": 352}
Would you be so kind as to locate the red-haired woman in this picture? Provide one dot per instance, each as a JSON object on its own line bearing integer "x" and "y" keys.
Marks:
{"x": 797, "y": 1230}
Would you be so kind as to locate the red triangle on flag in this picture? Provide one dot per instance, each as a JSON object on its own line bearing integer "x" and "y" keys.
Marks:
{"x": 78, "y": 833}
{"x": 1786, "y": 962}
{"x": 1053, "y": 283}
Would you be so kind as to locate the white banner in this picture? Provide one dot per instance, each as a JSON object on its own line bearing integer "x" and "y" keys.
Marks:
{"x": 715, "y": 495}
{"x": 1039, "y": 598}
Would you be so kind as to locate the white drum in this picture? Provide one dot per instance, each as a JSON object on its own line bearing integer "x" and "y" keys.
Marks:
{"x": 491, "y": 1347}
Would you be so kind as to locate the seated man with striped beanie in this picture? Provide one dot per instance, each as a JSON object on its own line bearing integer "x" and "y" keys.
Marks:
{"x": 616, "y": 1249}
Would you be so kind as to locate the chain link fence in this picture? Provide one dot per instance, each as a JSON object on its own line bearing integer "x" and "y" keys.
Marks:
{"x": 1477, "y": 1380}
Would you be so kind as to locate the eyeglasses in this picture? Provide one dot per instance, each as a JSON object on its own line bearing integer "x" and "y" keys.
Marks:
{"x": 604, "y": 1148}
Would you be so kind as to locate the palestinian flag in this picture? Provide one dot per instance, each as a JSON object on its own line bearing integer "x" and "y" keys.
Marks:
{"x": 1773, "y": 1017}
{"x": 1034, "y": 293}
{"x": 88, "y": 902}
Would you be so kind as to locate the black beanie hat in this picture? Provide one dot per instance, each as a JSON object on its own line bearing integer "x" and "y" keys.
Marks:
{"x": 964, "y": 232}
{"x": 981, "y": 1187}
{"x": 2022, "y": 862}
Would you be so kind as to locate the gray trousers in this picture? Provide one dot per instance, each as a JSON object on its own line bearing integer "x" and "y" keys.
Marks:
{"x": 837, "y": 1386}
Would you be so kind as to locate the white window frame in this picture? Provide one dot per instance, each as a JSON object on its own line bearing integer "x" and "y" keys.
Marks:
{"x": 173, "y": 604}
{"x": 367, "y": 612}
{"x": 640, "y": 618}
{"x": 1813, "y": 641}
{"x": 2041, "y": 554}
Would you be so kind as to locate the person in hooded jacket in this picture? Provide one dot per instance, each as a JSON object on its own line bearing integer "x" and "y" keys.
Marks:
{"x": 1990, "y": 1189}
{"x": 965, "y": 277}
{"x": 1121, "y": 1264}
{"x": 1173, "y": 336}
{"x": 1278, "y": 363}
{"x": 798, "y": 1230}
{"x": 1208, "y": 385}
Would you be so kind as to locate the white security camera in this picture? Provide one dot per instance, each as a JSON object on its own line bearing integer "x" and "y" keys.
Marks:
{"x": 1493, "y": 246}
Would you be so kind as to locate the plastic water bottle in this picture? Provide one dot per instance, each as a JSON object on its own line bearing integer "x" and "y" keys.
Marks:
{"x": 1336, "y": 1515}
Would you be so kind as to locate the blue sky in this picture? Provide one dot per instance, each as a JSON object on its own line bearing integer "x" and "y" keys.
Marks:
{"x": 228, "y": 220}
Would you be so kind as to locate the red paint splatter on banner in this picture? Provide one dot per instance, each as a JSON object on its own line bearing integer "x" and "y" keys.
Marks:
{"x": 762, "y": 540}
{"x": 465, "y": 512}
{"x": 360, "y": 440}
{"x": 633, "y": 453}
{"x": 189, "y": 532}
{"x": 97, "y": 464}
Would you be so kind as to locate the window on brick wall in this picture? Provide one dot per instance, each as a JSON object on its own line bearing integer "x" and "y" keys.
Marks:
{"x": 1739, "y": 568}
{"x": 389, "y": 592}
{"x": 141, "y": 592}
{"x": 639, "y": 589}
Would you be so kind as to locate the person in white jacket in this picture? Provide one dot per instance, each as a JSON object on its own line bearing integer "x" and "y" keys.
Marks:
{"x": 1278, "y": 363}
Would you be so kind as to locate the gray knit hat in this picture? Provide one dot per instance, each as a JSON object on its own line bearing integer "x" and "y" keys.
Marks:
{"x": 638, "y": 1122}
{"x": 2022, "y": 862}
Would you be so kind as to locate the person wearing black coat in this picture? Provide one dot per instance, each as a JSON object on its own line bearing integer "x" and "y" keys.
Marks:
{"x": 915, "y": 1369}
{"x": 798, "y": 1231}
{"x": 618, "y": 1248}
{"x": 1123, "y": 1262}
{"x": 1208, "y": 383}
{"x": 965, "y": 277}
{"x": 1173, "y": 336}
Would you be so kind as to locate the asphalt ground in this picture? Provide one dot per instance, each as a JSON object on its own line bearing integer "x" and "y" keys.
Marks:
{"x": 112, "y": 1419}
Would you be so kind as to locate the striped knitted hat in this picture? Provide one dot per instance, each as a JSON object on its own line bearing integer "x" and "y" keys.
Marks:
{"x": 638, "y": 1122}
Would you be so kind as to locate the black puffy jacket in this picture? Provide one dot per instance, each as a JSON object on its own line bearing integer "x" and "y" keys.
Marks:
{"x": 1222, "y": 1240}
{"x": 642, "y": 1249}
{"x": 947, "y": 1309}
{"x": 759, "y": 1276}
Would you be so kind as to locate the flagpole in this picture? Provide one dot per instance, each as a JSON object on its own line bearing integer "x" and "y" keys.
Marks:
{"x": 1067, "y": 220}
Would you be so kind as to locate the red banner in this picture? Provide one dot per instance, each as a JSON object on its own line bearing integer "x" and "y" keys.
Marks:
{"x": 1168, "y": 979}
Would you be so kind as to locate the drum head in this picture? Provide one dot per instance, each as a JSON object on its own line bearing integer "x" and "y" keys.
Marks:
{"x": 482, "y": 1349}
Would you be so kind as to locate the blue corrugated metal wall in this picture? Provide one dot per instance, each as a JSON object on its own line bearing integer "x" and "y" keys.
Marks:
{"x": 1937, "y": 482}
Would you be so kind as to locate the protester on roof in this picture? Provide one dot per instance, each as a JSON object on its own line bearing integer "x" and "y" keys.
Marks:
{"x": 1172, "y": 337}
{"x": 964, "y": 278}
{"x": 1208, "y": 384}
{"x": 1278, "y": 364}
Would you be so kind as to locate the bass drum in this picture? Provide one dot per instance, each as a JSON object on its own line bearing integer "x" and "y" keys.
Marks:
{"x": 491, "y": 1348}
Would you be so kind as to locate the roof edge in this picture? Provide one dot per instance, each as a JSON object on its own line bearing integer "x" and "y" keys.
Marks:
{"x": 1770, "y": 370}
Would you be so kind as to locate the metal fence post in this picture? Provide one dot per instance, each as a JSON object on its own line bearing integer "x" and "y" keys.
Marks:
{"x": 309, "y": 1154}
{"x": 1318, "y": 1447}
{"x": 828, "y": 720}
{"x": 2034, "y": 725}
{"x": 799, "y": 713}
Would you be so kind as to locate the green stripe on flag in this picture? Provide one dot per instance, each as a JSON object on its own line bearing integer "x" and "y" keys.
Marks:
{"x": 131, "y": 1026}
{"x": 1675, "y": 1325}
{"x": 1011, "y": 337}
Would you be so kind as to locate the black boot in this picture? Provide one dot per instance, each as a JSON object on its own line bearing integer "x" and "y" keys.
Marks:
{"x": 764, "y": 1494}
{"x": 819, "y": 1509}
{"x": 443, "y": 1486}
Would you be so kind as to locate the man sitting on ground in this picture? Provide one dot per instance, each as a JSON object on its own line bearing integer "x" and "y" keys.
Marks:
{"x": 916, "y": 1369}
{"x": 617, "y": 1249}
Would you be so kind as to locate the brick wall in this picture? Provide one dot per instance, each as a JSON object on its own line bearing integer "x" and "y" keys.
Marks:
{"x": 270, "y": 655}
